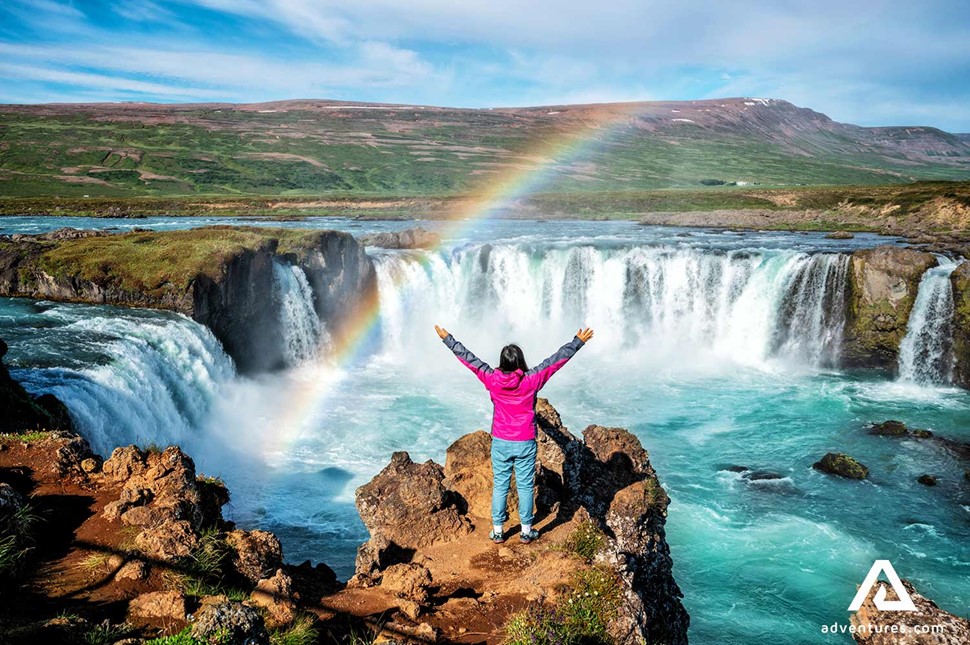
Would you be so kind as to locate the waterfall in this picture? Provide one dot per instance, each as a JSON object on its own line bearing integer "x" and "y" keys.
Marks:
{"x": 748, "y": 306}
{"x": 926, "y": 352}
{"x": 299, "y": 322}
{"x": 135, "y": 376}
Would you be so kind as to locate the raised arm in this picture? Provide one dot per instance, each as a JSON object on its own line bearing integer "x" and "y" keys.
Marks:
{"x": 541, "y": 373}
{"x": 469, "y": 360}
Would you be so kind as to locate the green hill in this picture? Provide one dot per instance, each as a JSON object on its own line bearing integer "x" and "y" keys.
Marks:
{"x": 325, "y": 147}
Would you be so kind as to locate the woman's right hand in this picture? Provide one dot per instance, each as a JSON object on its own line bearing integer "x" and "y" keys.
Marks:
{"x": 442, "y": 333}
{"x": 584, "y": 334}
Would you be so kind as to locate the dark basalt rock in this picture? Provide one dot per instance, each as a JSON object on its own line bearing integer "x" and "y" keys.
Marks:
{"x": 837, "y": 463}
{"x": 927, "y": 480}
{"x": 412, "y": 238}
{"x": 23, "y": 412}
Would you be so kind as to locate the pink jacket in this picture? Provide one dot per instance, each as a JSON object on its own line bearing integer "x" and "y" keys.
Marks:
{"x": 514, "y": 393}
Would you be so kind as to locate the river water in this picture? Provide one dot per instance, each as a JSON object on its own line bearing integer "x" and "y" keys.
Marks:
{"x": 718, "y": 349}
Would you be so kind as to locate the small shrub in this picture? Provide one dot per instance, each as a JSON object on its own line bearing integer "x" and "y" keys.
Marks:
{"x": 301, "y": 632}
{"x": 36, "y": 435}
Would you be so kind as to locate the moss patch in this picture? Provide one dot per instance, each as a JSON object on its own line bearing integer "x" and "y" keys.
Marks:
{"x": 154, "y": 263}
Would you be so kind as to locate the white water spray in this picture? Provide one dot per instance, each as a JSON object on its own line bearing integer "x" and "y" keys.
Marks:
{"x": 926, "y": 352}
{"x": 298, "y": 317}
{"x": 745, "y": 306}
{"x": 156, "y": 382}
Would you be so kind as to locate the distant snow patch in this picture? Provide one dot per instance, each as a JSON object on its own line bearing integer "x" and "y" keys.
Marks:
{"x": 684, "y": 120}
{"x": 553, "y": 112}
{"x": 675, "y": 110}
{"x": 755, "y": 101}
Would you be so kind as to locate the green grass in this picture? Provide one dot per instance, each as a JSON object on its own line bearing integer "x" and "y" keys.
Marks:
{"x": 159, "y": 263}
{"x": 203, "y": 152}
{"x": 585, "y": 541}
{"x": 37, "y": 435}
{"x": 582, "y": 615}
{"x": 106, "y": 633}
{"x": 300, "y": 632}
{"x": 184, "y": 637}
{"x": 202, "y": 573}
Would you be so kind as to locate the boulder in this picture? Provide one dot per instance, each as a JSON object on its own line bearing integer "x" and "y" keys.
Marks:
{"x": 158, "y": 604}
{"x": 10, "y": 501}
{"x": 169, "y": 541}
{"x": 123, "y": 463}
{"x": 256, "y": 554}
{"x": 412, "y": 238}
{"x": 228, "y": 621}
{"x": 275, "y": 594}
{"x": 133, "y": 570}
{"x": 882, "y": 290}
{"x": 889, "y": 428}
{"x": 837, "y": 463}
{"x": 408, "y": 580}
{"x": 874, "y": 627}
{"x": 926, "y": 480}
{"x": 408, "y": 506}
{"x": 840, "y": 235}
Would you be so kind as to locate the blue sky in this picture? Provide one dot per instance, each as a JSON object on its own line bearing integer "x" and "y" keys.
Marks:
{"x": 871, "y": 62}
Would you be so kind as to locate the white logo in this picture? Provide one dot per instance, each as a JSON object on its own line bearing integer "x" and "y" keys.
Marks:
{"x": 905, "y": 603}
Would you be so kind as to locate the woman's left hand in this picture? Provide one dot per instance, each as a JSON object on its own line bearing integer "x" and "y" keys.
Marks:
{"x": 442, "y": 333}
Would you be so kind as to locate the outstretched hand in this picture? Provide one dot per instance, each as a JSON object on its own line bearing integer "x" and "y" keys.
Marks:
{"x": 442, "y": 333}
{"x": 584, "y": 334}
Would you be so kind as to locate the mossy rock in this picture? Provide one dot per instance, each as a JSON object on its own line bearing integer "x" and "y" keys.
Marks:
{"x": 960, "y": 281}
{"x": 841, "y": 464}
{"x": 890, "y": 428}
{"x": 883, "y": 283}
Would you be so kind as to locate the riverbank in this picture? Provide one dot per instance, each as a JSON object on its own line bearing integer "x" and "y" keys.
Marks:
{"x": 912, "y": 210}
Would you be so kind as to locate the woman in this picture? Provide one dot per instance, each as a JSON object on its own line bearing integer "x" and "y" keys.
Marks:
{"x": 513, "y": 388}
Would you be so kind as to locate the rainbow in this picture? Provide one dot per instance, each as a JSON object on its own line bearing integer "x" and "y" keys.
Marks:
{"x": 584, "y": 135}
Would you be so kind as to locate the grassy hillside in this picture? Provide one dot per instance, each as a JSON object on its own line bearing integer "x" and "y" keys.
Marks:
{"x": 317, "y": 147}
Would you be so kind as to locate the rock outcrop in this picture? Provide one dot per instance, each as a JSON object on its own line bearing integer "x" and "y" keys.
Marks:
{"x": 837, "y": 463}
{"x": 222, "y": 277}
{"x": 412, "y": 238}
{"x": 883, "y": 283}
{"x": 605, "y": 480}
{"x": 874, "y": 627}
{"x": 23, "y": 412}
{"x": 960, "y": 281}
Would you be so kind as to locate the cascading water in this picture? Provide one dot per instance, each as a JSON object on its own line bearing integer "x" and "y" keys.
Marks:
{"x": 134, "y": 377}
{"x": 743, "y": 305}
{"x": 300, "y": 324}
{"x": 926, "y": 352}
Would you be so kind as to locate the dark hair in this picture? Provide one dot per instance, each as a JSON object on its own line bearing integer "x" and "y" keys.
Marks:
{"x": 512, "y": 359}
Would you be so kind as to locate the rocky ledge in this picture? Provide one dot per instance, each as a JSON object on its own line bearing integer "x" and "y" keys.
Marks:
{"x": 137, "y": 547}
{"x": 222, "y": 277}
{"x": 928, "y": 625}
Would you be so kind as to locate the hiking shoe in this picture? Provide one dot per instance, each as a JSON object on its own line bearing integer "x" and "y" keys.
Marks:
{"x": 497, "y": 538}
{"x": 531, "y": 536}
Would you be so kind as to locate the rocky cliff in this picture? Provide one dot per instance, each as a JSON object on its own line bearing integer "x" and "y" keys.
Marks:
{"x": 23, "y": 412}
{"x": 601, "y": 511}
{"x": 222, "y": 277}
{"x": 140, "y": 538}
{"x": 960, "y": 281}
{"x": 883, "y": 283}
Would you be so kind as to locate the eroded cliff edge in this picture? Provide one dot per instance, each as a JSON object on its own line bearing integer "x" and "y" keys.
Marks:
{"x": 140, "y": 538}
{"x": 222, "y": 277}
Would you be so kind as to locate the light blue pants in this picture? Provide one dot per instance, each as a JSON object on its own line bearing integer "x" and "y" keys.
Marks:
{"x": 506, "y": 456}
